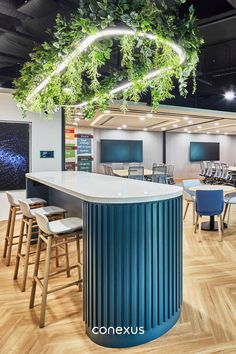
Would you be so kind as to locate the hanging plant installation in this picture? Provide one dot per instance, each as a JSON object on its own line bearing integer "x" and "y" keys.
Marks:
{"x": 77, "y": 67}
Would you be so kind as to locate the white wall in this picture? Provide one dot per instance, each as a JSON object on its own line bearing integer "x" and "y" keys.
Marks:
{"x": 178, "y": 151}
{"x": 46, "y": 135}
{"x": 152, "y": 145}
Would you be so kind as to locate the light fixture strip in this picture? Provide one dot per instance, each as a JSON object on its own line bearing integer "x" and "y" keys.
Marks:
{"x": 82, "y": 47}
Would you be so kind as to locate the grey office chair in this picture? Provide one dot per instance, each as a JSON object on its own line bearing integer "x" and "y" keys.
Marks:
{"x": 108, "y": 170}
{"x": 136, "y": 172}
{"x": 170, "y": 174}
{"x": 159, "y": 174}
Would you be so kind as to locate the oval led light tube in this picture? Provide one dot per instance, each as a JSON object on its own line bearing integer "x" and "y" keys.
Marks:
{"x": 109, "y": 32}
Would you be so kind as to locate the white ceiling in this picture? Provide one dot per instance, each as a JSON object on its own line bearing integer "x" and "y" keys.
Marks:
{"x": 168, "y": 118}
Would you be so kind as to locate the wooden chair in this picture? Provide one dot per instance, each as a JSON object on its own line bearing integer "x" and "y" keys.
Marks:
{"x": 53, "y": 234}
{"x": 10, "y": 238}
{"x": 29, "y": 222}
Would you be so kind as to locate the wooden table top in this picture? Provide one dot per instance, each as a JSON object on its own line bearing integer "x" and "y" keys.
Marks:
{"x": 226, "y": 189}
{"x": 124, "y": 173}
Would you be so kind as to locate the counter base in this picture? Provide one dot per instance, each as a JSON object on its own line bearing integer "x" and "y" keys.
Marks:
{"x": 125, "y": 341}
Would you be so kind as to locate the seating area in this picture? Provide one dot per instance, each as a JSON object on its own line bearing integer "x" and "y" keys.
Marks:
{"x": 217, "y": 173}
{"x": 208, "y": 200}
{"x": 160, "y": 173}
{"x": 48, "y": 227}
{"x": 117, "y": 177}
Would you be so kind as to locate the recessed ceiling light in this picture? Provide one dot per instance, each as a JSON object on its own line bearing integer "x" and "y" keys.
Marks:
{"x": 229, "y": 95}
{"x": 226, "y": 133}
{"x": 185, "y": 129}
{"x": 119, "y": 128}
{"x": 186, "y": 118}
{"x": 145, "y": 129}
{"x": 77, "y": 119}
{"x": 175, "y": 125}
{"x": 189, "y": 131}
{"x": 124, "y": 126}
{"x": 107, "y": 111}
{"x": 199, "y": 127}
{"x": 216, "y": 123}
{"x": 149, "y": 115}
{"x": 163, "y": 128}
{"x": 208, "y": 132}
{"x": 142, "y": 118}
{"x": 190, "y": 121}
{"x": 217, "y": 131}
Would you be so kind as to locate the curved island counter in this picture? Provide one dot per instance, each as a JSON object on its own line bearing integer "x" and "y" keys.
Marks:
{"x": 132, "y": 252}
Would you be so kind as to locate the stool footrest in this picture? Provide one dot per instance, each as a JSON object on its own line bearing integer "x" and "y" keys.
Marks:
{"x": 60, "y": 271}
{"x": 77, "y": 282}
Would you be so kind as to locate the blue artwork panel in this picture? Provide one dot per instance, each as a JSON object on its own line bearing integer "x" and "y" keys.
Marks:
{"x": 14, "y": 155}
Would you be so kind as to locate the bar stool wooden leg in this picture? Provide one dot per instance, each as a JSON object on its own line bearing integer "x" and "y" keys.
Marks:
{"x": 27, "y": 253}
{"x": 79, "y": 263}
{"x": 67, "y": 260}
{"x": 11, "y": 234}
{"x": 22, "y": 228}
{"x": 45, "y": 283}
{"x": 7, "y": 233}
{"x": 36, "y": 269}
{"x": 57, "y": 254}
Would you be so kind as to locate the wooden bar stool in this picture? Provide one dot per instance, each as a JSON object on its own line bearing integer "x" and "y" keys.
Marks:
{"x": 54, "y": 233}
{"x": 13, "y": 212}
{"x": 29, "y": 221}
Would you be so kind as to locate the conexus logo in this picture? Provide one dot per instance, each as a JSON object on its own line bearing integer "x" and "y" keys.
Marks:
{"x": 118, "y": 330}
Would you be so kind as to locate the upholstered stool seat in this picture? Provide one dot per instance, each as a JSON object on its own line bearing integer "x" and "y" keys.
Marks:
{"x": 14, "y": 210}
{"x": 65, "y": 225}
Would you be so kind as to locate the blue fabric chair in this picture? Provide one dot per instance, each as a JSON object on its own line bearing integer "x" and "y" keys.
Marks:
{"x": 230, "y": 199}
{"x": 189, "y": 195}
{"x": 209, "y": 203}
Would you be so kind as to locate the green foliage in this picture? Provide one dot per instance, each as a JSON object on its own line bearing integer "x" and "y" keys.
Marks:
{"x": 82, "y": 79}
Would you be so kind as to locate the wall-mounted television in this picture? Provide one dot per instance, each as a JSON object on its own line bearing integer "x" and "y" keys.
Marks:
{"x": 121, "y": 151}
{"x": 204, "y": 151}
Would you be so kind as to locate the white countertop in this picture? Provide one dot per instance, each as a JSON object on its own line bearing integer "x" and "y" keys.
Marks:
{"x": 96, "y": 188}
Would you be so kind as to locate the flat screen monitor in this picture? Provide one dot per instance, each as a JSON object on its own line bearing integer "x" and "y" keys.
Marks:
{"x": 121, "y": 151}
{"x": 204, "y": 151}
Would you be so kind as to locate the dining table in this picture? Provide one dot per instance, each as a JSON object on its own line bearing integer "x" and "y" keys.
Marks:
{"x": 212, "y": 225}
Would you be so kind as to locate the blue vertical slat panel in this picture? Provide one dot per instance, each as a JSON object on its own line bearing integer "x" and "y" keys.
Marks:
{"x": 99, "y": 264}
{"x": 154, "y": 266}
{"x": 118, "y": 268}
{"x": 148, "y": 266}
{"x": 165, "y": 261}
{"x": 160, "y": 265}
{"x": 171, "y": 243}
{"x": 141, "y": 265}
{"x": 85, "y": 277}
{"x": 105, "y": 268}
{"x": 133, "y": 269}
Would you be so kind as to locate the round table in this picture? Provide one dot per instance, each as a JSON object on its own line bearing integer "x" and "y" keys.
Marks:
{"x": 212, "y": 225}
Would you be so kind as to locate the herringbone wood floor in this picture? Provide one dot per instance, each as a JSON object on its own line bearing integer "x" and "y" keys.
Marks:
{"x": 207, "y": 324}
